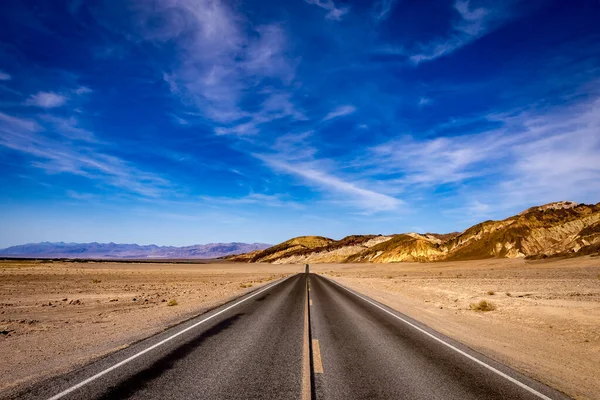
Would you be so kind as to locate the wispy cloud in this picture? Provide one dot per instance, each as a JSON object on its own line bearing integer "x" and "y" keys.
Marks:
{"x": 276, "y": 106}
{"x": 534, "y": 157}
{"x": 292, "y": 154}
{"x": 4, "y": 76}
{"x": 423, "y": 101}
{"x": 46, "y": 100}
{"x": 221, "y": 61}
{"x": 382, "y": 9}
{"x": 82, "y": 90}
{"x": 178, "y": 120}
{"x": 340, "y": 112}
{"x": 472, "y": 211}
{"x": 219, "y": 57}
{"x": 561, "y": 162}
{"x": 349, "y": 193}
{"x": 471, "y": 24}
{"x": 333, "y": 12}
{"x": 260, "y": 199}
{"x": 68, "y": 127}
{"x": 18, "y": 124}
{"x": 48, "y": 140}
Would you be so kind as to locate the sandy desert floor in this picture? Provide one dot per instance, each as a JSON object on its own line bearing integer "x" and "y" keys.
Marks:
{"x": 57, "y": 316}
{"x": 546, "y": 321}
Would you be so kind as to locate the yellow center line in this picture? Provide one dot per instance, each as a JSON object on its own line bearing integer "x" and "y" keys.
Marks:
{"x": 311, "y": 302}
{"x": 306, "y": 392}
{"x": 317, "y": 362}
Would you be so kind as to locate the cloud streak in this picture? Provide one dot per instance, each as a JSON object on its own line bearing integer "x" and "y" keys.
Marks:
{"x": 49, "y": 141}
{"x": 46, "y": 100}
{"x": 219, "y": 55}
{"x": 333, "y": 12}
{"x": 259, "y": 199}
{"x": 293, "y": 155}
{"x": 534, "y": 157}
{"x": 340, "y": 112}
{"x": 348, "y": 193}
{"x": 383, "y": 8}
{"x": 471, "y": 24}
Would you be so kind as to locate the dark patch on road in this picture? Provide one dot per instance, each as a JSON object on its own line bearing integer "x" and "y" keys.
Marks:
{"x": 140, "y": 380}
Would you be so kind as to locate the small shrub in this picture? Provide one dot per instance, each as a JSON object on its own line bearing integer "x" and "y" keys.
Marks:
{"x": 172, "y": 303}
{"x": 483, "y": 306}
{"x": 245, "y": 285}
{"x": 491, "y": 292}
{"x": 389, "y": 277}
{"x": 508, "y": 294}
{"x": 96, "y": 281}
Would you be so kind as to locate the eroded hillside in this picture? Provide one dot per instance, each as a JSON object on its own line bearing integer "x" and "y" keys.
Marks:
{"x": 555, "y": 229}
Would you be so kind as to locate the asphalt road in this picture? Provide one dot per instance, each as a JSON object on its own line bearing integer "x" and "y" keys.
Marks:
{"x": 262, "y": 346}
{"x": 369, "y": 351}
{"x": 251, "y": 351}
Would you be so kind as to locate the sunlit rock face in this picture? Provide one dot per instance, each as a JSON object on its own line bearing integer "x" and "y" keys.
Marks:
{"x": 562, "y": 228}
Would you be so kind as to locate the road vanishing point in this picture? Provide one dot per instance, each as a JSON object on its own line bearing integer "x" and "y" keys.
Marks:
{"x": 302, "y": 337}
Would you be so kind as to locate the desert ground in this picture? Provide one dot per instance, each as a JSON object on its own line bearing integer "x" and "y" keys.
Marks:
{"x": 56, "y": 316}
{"x": 546, "y": 317}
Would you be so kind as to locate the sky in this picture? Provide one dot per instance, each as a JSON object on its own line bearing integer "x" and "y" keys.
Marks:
{"x": 178, "y": 122}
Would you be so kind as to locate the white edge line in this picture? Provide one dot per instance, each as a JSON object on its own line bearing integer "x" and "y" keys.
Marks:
{"x": 133, "y": 357}
{"x": 502, "y": 374}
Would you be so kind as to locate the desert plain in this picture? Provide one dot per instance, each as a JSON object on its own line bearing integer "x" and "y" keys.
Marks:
{"x": 57, "y": 316}
{"x": 544, "y": 322}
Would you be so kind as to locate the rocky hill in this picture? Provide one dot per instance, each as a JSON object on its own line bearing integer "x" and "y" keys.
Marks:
{"x": 555, "y": 229}
{"x": 128, "y": 251}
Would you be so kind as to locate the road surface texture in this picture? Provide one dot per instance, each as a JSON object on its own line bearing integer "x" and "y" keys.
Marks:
{"x": 300, "y": 338}
{"x": 369, "y": 351}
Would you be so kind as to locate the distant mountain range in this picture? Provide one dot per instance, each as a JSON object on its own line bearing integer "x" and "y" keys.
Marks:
{"x": 128, "y": 251}
{"x": 561, "y": 229}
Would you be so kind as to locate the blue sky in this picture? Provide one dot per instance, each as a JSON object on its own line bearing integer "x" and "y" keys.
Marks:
{"x": 191, "y": 121}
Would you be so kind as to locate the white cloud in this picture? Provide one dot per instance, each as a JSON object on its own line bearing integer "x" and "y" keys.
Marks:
{"x": 292, "y": 154}
{"x": 534, "y": 157}
{"x": 46, "y": 100}
{"x": 434, "y": 162}
{"x": 561, "y": 162}
{"x": 219, "y": 55}
{"x": 472, "y": 24}
{"x": 334, "y": 12}
{"x": 343, "y": 191}
{"x": 4, "y": 76}
{"x": 340, "y": 112}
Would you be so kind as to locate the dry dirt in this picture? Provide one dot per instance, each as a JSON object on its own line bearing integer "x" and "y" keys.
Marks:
{"x": 55, "y": 316}
{"x": 547, "y": 318}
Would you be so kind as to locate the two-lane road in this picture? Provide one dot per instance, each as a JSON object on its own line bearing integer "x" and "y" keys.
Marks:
{"x": 257, "y": 347}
